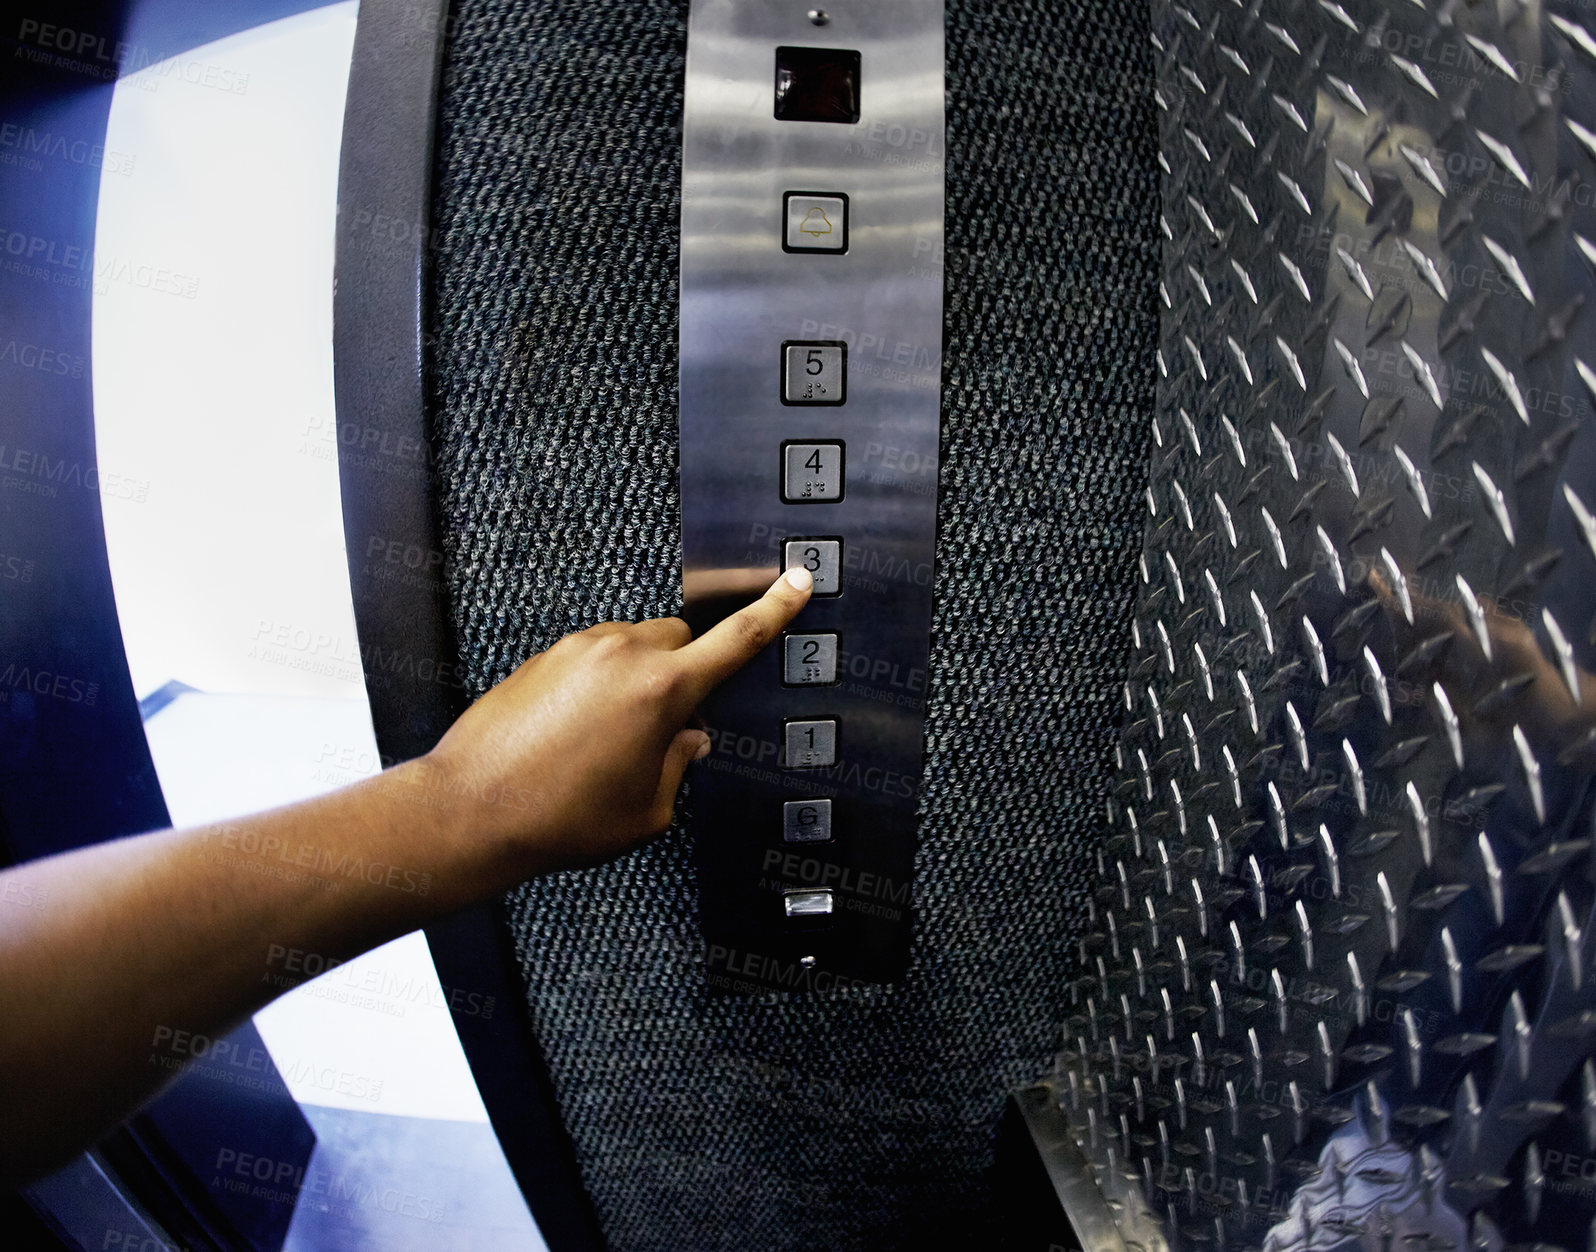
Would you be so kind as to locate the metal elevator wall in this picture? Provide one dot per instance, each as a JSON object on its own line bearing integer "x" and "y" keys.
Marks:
{"x": 860, "y": 1119}
{"x": 1340, "y": 988}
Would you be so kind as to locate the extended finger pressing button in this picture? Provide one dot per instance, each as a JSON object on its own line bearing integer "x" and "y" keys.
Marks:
{"x": 821, "y": 557}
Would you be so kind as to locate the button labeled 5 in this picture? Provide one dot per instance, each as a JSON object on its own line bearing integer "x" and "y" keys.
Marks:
{"x": 814, "y": 371}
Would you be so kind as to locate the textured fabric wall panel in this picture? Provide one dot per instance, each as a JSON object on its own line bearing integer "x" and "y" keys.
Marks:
{"x": 862, "y": 1119}
{"x": 1342, "y": 993}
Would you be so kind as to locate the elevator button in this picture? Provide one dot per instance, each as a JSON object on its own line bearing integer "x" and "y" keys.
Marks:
{"x": 806, "y": 821}
{"x": 821, "y": 557}
{"x": 809, "y": 744}
{"x": 808, "y": 903}
{"x": 811, "y": 472}
{"x": 809, "y": 660}
{"x": 815, "y": 222}
{"x": 814, "y": 371}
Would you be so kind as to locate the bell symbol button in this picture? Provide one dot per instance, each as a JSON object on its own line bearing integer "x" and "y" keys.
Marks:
{"x": 815, "y": 221}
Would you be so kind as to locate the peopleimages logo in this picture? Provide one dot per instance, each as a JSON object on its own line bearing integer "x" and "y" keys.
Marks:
{"x": 34, "y": 356}
{"x": 37, "y": 473}
{"x": 19, "y": 141}
{"x": 44, "y": 682}
{"x": 322, "y": 862}
{"x": 287, "y": 1181}
{"x": 106, "y": 58}
{"x": 372, "y": 984}
{"x": 753, "y": 971}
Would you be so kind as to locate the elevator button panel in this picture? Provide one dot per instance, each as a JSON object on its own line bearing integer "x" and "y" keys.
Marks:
{"x": 810, "y": 388}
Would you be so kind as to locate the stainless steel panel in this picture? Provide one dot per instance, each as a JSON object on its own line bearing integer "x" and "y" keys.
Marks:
{"x": 1339, "y": 990}
{"x": 744, "y": 297}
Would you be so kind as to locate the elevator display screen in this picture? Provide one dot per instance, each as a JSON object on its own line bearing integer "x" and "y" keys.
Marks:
{"x": 817, "y": 85}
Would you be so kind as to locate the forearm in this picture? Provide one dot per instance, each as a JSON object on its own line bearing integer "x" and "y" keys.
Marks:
{"x": 106, "y": 954}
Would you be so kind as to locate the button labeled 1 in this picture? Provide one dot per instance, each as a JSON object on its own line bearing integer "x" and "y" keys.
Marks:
{"x": 821, "y": 557}
{"x": 814, "y": 371}
{"x": 808, "y": 660}
{"x": 811, "y": 472}
{"x": 810, "y": 744}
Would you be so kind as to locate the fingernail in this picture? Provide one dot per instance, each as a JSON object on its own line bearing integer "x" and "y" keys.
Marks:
{"x": 703, "y": 750}
{"x": 800, "y": 578}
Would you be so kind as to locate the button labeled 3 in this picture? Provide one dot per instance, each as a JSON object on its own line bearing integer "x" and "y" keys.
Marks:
{"x": 821, "y": 557}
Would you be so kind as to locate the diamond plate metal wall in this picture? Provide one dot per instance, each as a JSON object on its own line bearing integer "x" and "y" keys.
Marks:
{"x": 1339, "y": 988}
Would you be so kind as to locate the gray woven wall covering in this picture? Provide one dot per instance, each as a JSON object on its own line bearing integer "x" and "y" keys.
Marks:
{"x": 863, "y": 1119}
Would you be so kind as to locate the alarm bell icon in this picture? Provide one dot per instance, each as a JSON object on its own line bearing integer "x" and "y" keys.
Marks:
{"x": 815, "y": 223}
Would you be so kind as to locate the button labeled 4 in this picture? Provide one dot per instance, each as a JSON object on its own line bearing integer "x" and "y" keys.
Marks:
{"x": 811, "y": 473}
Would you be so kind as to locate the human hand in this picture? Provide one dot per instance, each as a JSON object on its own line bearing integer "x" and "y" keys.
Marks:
{"x": 577, "y": 756}
{"x": 1490, "y": 663}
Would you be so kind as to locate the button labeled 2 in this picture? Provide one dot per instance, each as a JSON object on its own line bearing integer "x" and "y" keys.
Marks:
{"x": 809, "y": 660}
{"x": 811, "y": 473}
{"x": 821, "y": 557}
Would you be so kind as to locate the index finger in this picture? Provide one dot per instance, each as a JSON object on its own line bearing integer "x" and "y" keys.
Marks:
{"x": 724, "y": 649}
